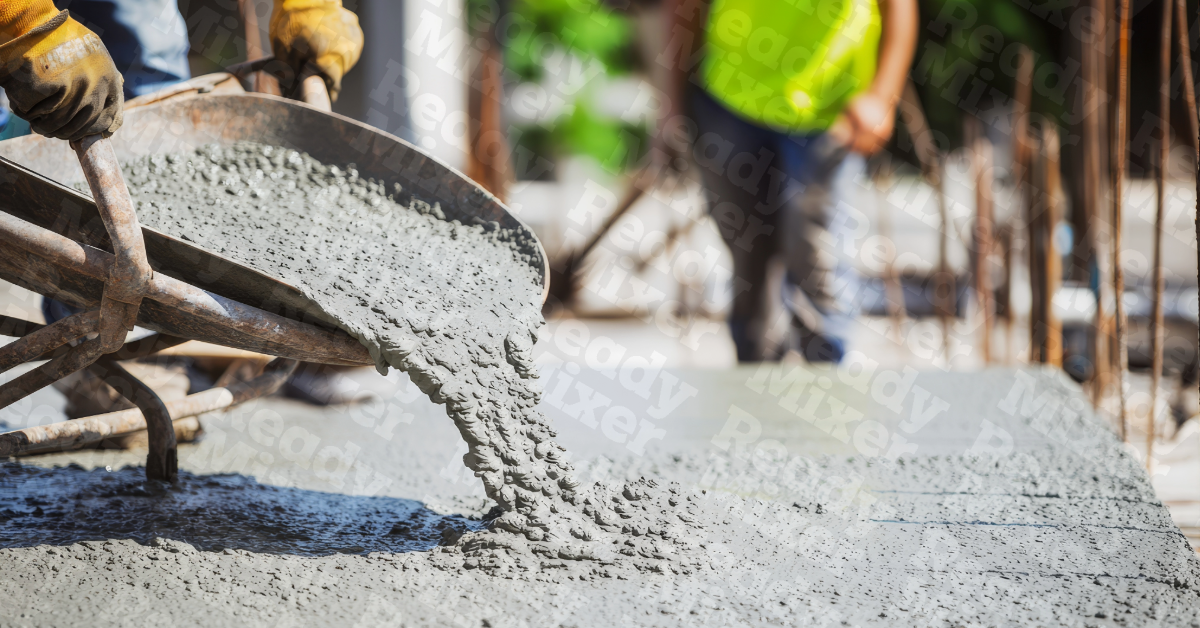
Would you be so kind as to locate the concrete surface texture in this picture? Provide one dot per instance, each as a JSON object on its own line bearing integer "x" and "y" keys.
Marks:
{"x": 454, "y": 306}
{"x": 771, "y": 495}
{"x": 990, "y": 500}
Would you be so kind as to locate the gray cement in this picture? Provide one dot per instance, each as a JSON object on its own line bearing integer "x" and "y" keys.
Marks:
{"x": 288, "y": 514}
{"x": 971, "y": 499}
{"x": 455, "y": 307}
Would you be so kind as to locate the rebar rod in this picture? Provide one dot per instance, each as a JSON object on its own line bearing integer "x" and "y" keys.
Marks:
{"x": 1185, "y": 65}
{"x": 1022, "y": 103}
{"x": 1189, "y": 95}
{"x": 1095, "y": 77}
{"x": 980, "y": 151}
{"x": 1120, "y": 153}
{"x": 1045, "y": 329}
{"x": 1160, "y": 188}
{"x": 931, "y": 169}
{"x": 1035, "y": 249}
{"x": 1051, "y": 190}
{"x": 1005, "y": 236}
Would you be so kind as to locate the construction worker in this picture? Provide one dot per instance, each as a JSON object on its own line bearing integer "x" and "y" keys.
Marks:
{"x": 67, "y": 81}
{"x": 785, "y": 101}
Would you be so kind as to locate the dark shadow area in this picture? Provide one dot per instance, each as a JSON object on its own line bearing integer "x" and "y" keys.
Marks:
{"x": 64, "y": 505}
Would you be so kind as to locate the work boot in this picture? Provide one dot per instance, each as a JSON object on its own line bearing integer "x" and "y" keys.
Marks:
{"x": 323, "y": 385}
{"x": 822, "y": 348}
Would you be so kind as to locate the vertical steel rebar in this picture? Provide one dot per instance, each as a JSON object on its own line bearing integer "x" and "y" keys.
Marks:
{"x": 1094, "y": 71}
{"x": 1005, "y": 234}
{"x": 1160, "y": 188}
{"x": 1119, "y": 155}
{"x": 1046, "y": 263}
{"x": 945, "y": 292}
{"x": 1185, "y": 64}
{"x": 488, "y": 159}
{"x": 893, "y": 286}
{"x": 1022, "y": 101}
{"x": 980, "y": 150}
{"x": 1034, "y": 247}
{"x": 1189, "y": 95}
{"x": 1052, "y": 190}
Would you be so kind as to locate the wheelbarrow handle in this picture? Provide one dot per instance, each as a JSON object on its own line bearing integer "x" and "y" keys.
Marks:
{"x": 129, "y": 279}
{"x": 315, "y": 93}
{"x": 312, "y": 89}
{"x": 131, "y": 273}
{"x": 246, "y": 68}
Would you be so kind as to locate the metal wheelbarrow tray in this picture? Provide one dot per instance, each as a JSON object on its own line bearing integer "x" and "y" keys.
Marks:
{"x": 57, "y": 242}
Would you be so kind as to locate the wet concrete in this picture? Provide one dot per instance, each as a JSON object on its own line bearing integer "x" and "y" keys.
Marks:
{"x": 772, "y": 495}
{"x": 454, "y": 306}
{"x": 996, "y": 518}
{"x": 215, "y": 512}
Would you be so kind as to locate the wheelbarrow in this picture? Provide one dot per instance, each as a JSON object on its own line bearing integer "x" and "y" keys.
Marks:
{"x": 91, "y": 253}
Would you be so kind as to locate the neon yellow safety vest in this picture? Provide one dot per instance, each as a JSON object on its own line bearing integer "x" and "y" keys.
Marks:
{"x": 790, "y": 64}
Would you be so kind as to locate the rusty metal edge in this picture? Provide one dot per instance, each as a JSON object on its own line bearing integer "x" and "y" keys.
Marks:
{"x": 398, "y": 140}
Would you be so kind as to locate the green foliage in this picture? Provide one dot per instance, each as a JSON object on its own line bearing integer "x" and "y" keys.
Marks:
{"x": 615, "y": 145}
{"x": 598, "y": 33}
{"x": 533, "y": 149}
{"x": 591, "y": 32}
{"x": 966, "y": 56}
{"x": 585, "y": 27}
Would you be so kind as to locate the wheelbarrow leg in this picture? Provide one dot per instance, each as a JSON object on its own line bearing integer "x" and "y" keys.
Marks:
{"x": 162, "y": 463}
{"x": 129, "y": 279}
{"x": 36, "y": 340}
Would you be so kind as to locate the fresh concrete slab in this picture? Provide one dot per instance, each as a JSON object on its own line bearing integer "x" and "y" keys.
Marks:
{"x": 990, "y": 498}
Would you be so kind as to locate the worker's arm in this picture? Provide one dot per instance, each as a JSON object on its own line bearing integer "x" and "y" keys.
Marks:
{"x": 317, "y": 35}
{"x": 56, "y": 73}
{"x": 867, "y": 123}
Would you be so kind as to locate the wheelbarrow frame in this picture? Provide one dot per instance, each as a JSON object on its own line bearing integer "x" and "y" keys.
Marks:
{"x": 93, "y": 254}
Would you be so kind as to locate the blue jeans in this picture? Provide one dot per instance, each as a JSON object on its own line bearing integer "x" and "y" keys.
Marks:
{"x": 776, "y": 196}
{"x": 147, "y": 40}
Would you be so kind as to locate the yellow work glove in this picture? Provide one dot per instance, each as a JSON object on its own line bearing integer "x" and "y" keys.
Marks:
{"x": 317, "y": 35}
{"x": 56, "y": 73}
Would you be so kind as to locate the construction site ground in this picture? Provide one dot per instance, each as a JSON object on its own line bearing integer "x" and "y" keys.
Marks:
{"x": 1013, "y": 506}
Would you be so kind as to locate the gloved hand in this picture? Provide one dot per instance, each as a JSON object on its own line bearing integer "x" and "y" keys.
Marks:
{"x": 316, "y": 33}
{"x": 56, "y": 73}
